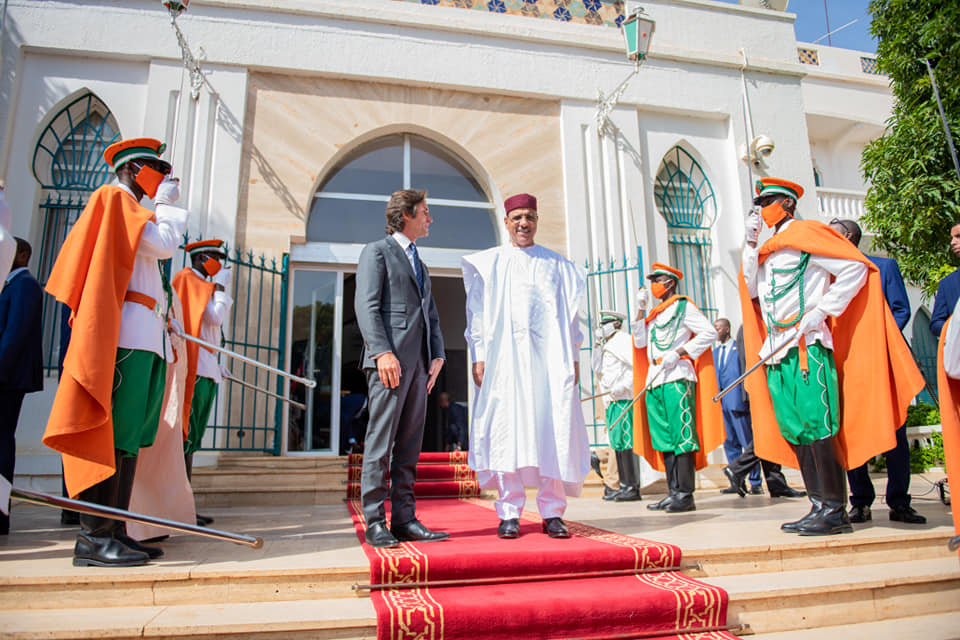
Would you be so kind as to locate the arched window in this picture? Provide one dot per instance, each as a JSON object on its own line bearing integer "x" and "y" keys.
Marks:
{"x": 68, "y": 163}
{"x": 685, "y": 198}
{"x": 69, "y": 152}
{"x": 349, "y": 205}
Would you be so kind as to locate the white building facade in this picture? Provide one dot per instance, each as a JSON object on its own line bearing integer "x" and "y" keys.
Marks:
{"x": 308, "y": 114}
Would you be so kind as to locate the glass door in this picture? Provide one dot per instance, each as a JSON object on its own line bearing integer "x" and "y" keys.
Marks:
{"x": 315, "y": 338}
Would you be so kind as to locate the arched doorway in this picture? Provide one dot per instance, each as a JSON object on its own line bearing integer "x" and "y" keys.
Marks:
{"x": 348, "y": 212}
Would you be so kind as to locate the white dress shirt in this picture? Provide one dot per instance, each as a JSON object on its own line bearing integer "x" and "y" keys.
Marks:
{"x": 214, "y": 315}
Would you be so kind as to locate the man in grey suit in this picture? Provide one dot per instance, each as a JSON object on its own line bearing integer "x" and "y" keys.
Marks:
{"x": 403, "y": 355}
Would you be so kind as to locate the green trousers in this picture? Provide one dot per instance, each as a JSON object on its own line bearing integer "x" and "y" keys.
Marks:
{"x": 620, "y": 436}
{"x": 806, "y": 403}
{"x": 204, "y": 393}
{"x": 671, "y": 416}
{"x": 139, "y": 378}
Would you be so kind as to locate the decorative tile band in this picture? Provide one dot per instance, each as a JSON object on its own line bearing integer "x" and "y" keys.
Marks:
{"x": 808, "y": 56}
{"x": 608, "y": 13}
{"x": 869, "y": 65}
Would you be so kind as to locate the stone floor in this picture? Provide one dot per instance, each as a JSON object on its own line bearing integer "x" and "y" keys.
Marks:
{"x": 323, "y": 537}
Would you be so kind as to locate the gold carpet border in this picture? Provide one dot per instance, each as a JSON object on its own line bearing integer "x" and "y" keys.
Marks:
{"x": 643, "y": 550}
{"x": 465, "y": 489}
{"x": 698, "y": 604}
{"x": 414, "y": 614}
{"x": 398, "y": 565}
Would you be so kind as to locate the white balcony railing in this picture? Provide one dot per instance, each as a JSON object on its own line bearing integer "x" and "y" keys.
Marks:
{"x": 845, "y": 204}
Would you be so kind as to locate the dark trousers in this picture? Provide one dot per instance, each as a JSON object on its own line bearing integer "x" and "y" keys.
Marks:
{"x": 394, "y": 439}
{"x": 898, "y": 477}
{"x": 739, "y": 437}
{"x": 10, "y": 403}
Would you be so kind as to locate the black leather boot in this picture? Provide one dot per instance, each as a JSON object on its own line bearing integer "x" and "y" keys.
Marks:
{"x": 629, "y": 466}
{"x": 202, "y": 521}
{"x": 127, "y": 469}
{"x": 811, "y": 482}
{"x": 670, "y": 470}
{"x": 686, "y": 484}
{"x": 95, "y": 544}
{"x": 777, "y": 483}
{"x": 832, "y": 518}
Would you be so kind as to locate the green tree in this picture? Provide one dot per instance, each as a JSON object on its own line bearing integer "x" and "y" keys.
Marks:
{"x": 914, "y": 194}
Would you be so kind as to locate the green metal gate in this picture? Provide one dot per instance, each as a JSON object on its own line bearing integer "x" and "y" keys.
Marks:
{"x": 244, "y": 419}
{"x": 610, "y": 286}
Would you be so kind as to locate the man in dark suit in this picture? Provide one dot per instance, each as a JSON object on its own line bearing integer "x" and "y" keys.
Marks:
{"x": 747, "y": 463}
{"x": 862, "y": 492}
{"x": 948, "y": 291}
{"x": 21, "y": 354}
{"x": 736, "y": 410}
{"x": 403, "y": 355}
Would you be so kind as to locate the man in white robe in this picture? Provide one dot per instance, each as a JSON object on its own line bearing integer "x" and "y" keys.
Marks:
{"x": 523, "y": 331}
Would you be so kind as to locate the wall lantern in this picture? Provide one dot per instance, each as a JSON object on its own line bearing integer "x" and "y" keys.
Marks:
{"x": 637, "y": 34}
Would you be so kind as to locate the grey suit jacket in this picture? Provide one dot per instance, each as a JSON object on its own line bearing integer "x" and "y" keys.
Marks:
{"x": 390, "y": 311}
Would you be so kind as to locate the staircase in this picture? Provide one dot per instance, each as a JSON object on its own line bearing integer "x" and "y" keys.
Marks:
{"x": 878, "y": 583}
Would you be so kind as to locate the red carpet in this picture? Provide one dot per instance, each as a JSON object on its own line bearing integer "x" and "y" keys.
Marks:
{"x": 439, "y": 475}
{"x": 534, "y": 587}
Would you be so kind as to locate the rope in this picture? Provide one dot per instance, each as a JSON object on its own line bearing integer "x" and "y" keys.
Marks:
{"x": 779, "y": 291}
{"x": 672, "y": 325}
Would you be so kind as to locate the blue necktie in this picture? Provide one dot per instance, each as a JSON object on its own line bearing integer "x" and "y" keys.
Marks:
{"x": 417, "y": 267}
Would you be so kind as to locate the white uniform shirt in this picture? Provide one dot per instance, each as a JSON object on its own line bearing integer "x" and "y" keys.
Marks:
{"x": 613, "y": 368}
{"x": 214, "y": 315}
{"x": 818, "y": 292}
{"x": 695, "y": 334}
{"x": 142, "y": 328}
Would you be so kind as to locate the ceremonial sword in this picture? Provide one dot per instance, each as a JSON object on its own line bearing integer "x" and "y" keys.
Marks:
{"x": 760, "y": 362}
{"x": 635, "y": 398}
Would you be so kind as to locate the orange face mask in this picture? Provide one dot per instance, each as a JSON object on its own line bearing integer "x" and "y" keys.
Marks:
{"x": 658, "y": 289}
{"x": 774, "y": 213}
{"x": 211, "y": 266}
{"x": 149, "y": 179}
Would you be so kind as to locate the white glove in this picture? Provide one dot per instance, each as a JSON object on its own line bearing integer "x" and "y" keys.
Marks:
{"x": 670, "y": 360}
{"x": 810, "y": 321}
{"x": 640, "y": 302}
{"x": 225, "y": 371}
{"x": 751, "y": 226}
{"x": 168, "y": 192}
{"x": 175, "y": 327}
{"x": 223, "y": 277}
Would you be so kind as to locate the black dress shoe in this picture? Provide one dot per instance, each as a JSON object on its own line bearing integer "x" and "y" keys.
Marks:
{"x": 729, "y": 491}
{"x": 906, "y": 514}
{"x": 628, "y": 494}
{"x": 608, "y": 493}
{"x": 203, "y": 521}
{"x": 661, "y": 505}
{"x": 736, "y": 483}
{"x": 756, "y": 490}
{"x": 555, "y": 528}
{"x": 786, "y": 492}
{"x": 105, "y": 551}
{"x": 379, "y": 536}
{"x": 152, "y": 552}
{"x": 414, "y": 531}
{"x": 860, "y": 513}
{"x": 69, "y": 518}
{"x": 509, "y": 528}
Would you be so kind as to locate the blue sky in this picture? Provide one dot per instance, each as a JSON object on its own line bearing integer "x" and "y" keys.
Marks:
{"x": 811, "y": 22}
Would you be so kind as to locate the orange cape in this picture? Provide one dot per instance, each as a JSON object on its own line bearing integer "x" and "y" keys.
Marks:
{"x": 194, "y": 293}
{"x": 878, "y": 377}
{"x": 949, "y": 391}
{"x": 90, "y": 276}
{"x": 709, "y": 416}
